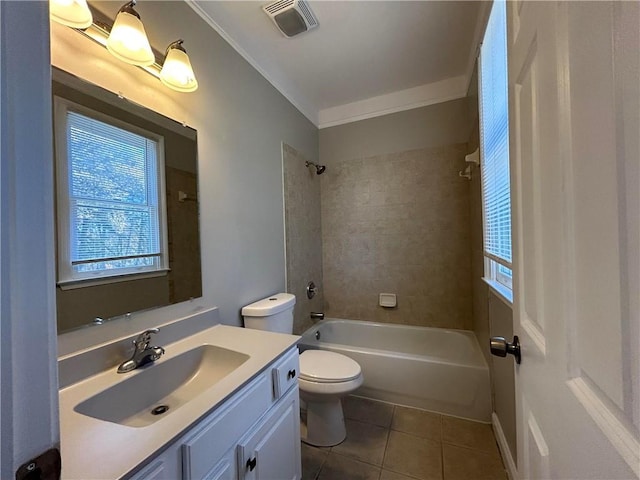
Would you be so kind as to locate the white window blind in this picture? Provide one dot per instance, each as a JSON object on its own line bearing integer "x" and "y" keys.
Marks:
{"x": 110, "y": 205}
{"x": 494, "y": 137}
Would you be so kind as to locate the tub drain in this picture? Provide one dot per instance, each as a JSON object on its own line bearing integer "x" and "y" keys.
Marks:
{"x": 160, "y": 409}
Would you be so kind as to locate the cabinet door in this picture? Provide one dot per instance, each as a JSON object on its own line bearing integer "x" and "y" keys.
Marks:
{"x": 206, "y": 443}
{"x": 167, "y": 466}
{"x": 225, "y": 469}
{"x": 272, "y": 450}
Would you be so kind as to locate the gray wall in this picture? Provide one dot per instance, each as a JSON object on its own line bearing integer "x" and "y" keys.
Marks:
{"x": 502, "y": 372}
{"x": 241, "y": 121}
{"x": 432, "y": 126}
{"x": 491, "y": 316}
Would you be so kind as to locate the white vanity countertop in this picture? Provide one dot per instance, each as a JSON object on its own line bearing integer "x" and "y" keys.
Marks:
{"x": 93, "y": 448}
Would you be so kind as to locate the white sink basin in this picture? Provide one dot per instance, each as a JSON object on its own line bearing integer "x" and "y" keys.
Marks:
{"x": 169, "y": 383}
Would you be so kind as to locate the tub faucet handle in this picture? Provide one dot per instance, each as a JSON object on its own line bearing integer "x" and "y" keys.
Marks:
{"x": 311, "y": 290}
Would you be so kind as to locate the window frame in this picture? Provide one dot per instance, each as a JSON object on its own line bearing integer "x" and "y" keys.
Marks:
{"x": 500, "y": 283}
{"x": 66, "y": 277}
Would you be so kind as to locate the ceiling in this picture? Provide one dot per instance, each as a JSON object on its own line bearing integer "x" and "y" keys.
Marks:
{"x": 366, "y": 58}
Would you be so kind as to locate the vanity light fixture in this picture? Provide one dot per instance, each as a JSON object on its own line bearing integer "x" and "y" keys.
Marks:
{"x": 127, "y": 40}
{"x": 72, "y": 13}
{"x": 177, "y": 72}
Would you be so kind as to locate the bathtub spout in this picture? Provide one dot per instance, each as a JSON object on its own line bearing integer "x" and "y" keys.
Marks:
{"x": 317, "y": 315}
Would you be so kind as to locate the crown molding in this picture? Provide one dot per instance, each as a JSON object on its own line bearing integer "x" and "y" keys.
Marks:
{"x": 416, "y": 97}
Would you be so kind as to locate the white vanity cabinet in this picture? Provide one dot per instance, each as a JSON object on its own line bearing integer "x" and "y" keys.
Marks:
{"x": 271, "y": 451}
{"x": 255, "y": 434}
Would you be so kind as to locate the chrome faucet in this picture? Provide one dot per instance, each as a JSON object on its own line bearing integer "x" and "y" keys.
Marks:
{"x": 142, "y": 353}
{"x": 316, "y": 316}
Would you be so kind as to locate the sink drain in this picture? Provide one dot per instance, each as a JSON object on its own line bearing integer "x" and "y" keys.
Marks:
{"x": 160, "y": 409}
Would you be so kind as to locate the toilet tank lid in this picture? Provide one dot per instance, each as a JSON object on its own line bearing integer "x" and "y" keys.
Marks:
{"x": 270, "y": 305}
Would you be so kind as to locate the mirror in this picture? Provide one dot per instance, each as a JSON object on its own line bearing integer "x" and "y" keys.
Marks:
{"x": 178, "y": 276}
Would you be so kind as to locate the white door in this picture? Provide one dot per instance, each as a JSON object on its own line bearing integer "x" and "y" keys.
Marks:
{"x": 574, "y": 120}
{"x": 28, "y": 368}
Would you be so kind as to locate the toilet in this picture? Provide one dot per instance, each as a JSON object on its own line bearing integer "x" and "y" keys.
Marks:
{"x": 325, "y": 377}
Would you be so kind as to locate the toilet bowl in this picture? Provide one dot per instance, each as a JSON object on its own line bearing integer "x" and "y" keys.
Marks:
{"x": 325, "y": 377}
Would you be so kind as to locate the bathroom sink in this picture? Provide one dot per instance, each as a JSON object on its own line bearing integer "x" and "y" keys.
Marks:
{"x": 157, "y": 390}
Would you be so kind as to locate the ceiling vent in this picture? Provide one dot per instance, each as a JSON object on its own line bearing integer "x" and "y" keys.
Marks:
{"x": 292, "y": 17}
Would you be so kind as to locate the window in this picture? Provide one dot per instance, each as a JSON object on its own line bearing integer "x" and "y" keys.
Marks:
{"x": 110, "y": 184}
{"x": 494, "y": 145}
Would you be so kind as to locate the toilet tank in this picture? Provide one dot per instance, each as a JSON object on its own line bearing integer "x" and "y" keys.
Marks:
{"x": 274, "y": 313}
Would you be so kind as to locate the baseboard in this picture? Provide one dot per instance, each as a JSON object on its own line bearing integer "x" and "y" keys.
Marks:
{"x": 504, "y": 447}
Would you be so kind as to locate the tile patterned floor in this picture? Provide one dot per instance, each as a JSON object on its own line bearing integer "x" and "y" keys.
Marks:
{"x": 390, "y": 442}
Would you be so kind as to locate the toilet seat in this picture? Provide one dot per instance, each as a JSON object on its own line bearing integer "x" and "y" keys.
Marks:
{"x": 322, "y": 366}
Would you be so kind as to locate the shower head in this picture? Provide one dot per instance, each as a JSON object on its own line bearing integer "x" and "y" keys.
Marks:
{"x": 319, "y": 168}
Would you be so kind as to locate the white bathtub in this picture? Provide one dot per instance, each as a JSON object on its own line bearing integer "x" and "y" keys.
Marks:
{"x": 430, "y": 368}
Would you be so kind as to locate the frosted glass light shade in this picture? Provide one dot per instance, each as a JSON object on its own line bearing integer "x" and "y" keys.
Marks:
{"x": 177, "y": 73}
{"x": 128, "y": 41}
{"x": 72, "y": 13}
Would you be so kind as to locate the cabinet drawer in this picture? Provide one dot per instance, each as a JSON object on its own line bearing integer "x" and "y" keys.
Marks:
{"x": 209, "y": 442}
{"x": 285, "y": 373}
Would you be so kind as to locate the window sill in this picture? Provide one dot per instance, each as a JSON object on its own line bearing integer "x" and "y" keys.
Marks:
{"x": 94, "y": 282}
{"x": 500, "y": 291}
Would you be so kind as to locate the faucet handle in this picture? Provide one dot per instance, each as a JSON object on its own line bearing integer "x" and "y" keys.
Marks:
{"x": 142, "y": 342}
{"x": 157, "y": 353}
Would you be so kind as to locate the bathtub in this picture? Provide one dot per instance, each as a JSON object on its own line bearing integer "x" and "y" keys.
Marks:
{"x": 434, "y": 369}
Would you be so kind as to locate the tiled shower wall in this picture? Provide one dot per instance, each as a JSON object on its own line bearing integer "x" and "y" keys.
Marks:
{"x": 398, "y": 223}
{"x": 303, "y": 235}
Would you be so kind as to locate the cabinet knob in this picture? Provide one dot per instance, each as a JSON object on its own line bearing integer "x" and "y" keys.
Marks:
{"x": 251, "y": 463}
{"x": 291, "y": 374}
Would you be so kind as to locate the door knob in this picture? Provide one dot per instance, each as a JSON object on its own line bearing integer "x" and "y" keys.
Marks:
{"x": 500, "y": 347}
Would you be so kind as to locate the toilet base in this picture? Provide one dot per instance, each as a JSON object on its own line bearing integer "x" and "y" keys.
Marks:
{"x": 324, "y": 426}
